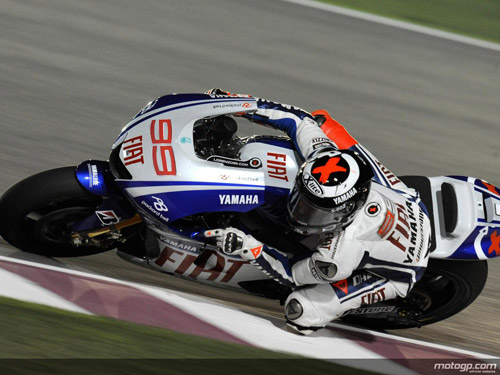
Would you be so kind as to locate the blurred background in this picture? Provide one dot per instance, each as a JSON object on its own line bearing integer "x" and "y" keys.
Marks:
{"x": 73, "y": 73}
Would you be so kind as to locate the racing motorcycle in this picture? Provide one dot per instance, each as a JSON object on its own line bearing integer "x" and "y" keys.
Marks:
{"x": 180, "y": 168}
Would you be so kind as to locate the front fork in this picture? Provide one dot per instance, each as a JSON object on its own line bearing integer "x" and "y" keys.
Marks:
{"x": 113, "y": 214}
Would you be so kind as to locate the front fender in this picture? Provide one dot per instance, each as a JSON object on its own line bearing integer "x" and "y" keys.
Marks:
{"x": 96, "y": 177}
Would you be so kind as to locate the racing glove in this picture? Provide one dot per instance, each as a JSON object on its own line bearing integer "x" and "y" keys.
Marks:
{"x": 232, "y": 241}
{"x": 217, "y": 91}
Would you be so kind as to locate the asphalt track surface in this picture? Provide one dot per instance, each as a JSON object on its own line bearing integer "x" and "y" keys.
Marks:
{"x": 72, "y": 73}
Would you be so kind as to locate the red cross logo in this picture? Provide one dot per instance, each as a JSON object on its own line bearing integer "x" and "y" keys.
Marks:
{"x": 495, "y": 244}
{"x": 372, "y": 209}
{"x": 490, "y": 187}
{"x": 330, "y": 167}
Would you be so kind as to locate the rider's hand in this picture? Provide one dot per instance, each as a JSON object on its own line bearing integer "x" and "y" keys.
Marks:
{"x": 216, "y": 91}
{"x": 233, "y": 241}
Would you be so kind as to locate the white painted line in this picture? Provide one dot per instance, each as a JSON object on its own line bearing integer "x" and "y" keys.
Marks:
{"x": 64, "y": 270}
{"x": 17, "y": 287}
{"x": 216, "y": 314}
{"x": 399, "y": 24}
{"x": 412, "y": 341}
{"x": 268, "y": 333}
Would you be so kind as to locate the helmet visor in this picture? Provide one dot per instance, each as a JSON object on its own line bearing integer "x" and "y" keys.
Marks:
{"x": 307, "y": 218}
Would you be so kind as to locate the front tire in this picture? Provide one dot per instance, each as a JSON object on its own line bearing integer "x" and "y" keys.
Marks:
{"x": 37, "y": 213}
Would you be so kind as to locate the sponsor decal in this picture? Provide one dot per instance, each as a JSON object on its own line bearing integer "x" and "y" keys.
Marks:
{"x": 361, "y": 278}
{"x": 225, "y": 177}
{"x": 256, "y": 251}
{"x": 406, "y": 231}
{"x": 227, "y": 105}
{"x": 312, "y": 185}
{"x": 226, "y": 95}
{"x": 336, "y": 176}
{"x": 391, "y": 177}
{"x": 276, "y": 166}
{"x": 159, "y": 204}
{"x": 401, "y": 231}
{"x": 230, "y": 199}
{"x": 372, "y": 209}
{"x": 325, "y": 171}
{"x": 386, "y": 225}
{"x": 320, "y": 145}
{"x": 495, "y": 244}
{"x": 209, "y": 265}
{"x": 415, "y": 250}
{"x": 163, "y": 153}
{"x": 250, "y": 163}
{"x": 93, "y": 175}
{"x": 342, "y": 286}
{"x": 154, "y": 211}
{"x": 373, "y": 297}
{"x": 133, "y": 151}
{"x": 320, "y": 139}
{"x": 186, "y": 140}
{"x": 346, "y": 196}
{"x": 372, "y": 310}
{"x": 107, "y": 217}
{"x": 327, "y": 243}
{"x": 491, "y": 188}
{"x": 179, "y": 244}
{"x": 321, "y": 142}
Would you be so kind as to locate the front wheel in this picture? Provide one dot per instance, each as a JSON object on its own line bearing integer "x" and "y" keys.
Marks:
{"x": 37, "y": 213}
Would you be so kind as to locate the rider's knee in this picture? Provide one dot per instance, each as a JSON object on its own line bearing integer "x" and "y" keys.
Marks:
{"x": 398, "y": 289}
{"x": 311, "y": 308}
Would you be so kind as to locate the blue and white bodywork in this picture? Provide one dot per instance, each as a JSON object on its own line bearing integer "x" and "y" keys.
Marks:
{"x": 475, "y": 230}
{"x": 165, "y": 180}
{"x": 169, "y": 181}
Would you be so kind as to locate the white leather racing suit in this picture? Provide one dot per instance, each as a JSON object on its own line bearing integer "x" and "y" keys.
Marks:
{"x": 379, "y": 256}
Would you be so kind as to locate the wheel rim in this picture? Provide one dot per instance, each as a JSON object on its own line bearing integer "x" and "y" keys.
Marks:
{"x": 438, "y": 292}
{"x": 52, "y": 224}
{"x": 55, "y": 227}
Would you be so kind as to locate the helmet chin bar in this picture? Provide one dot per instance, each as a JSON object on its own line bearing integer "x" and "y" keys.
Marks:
{"x": 306, "y": 230}
{"x": 329, "y": 189}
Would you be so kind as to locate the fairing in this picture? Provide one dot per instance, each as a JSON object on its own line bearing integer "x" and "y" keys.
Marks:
{"x": 169, "y": 181}
{"x": 476, "y": 233}
{"x": 166, "y": 181}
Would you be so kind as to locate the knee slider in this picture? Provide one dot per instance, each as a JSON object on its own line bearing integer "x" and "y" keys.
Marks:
{"x": 293, "y": 312}
{"x": 312, "y": 307}
{"x": 293, "y": 309}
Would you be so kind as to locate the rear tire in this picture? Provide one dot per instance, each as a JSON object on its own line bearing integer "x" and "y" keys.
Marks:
{"x": 446, "y": 288}
{"x": 36, "y": 214}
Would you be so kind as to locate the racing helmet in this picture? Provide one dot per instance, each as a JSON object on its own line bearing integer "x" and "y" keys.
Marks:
{"x": 330, "y": 187}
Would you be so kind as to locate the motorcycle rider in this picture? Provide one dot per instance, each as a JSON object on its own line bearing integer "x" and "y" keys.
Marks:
{"x": 373, "y": 231}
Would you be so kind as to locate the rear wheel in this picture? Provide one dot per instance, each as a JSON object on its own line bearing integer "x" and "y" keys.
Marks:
{"x": 37, "y": 213}
{"x": 446, "y": 288}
